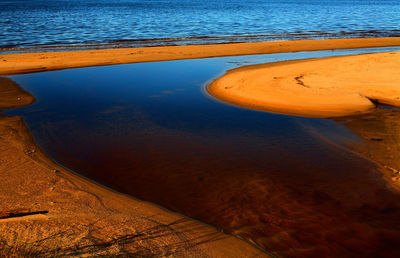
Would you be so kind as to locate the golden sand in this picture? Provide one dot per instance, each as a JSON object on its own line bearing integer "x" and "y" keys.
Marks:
{"x": 74, "y": 216}
{"x": 57, "y": 213}
{"x": 321, "y": 87}
{"x": 37, "y": 62}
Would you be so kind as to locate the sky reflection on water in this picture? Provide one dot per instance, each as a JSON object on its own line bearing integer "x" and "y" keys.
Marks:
{"x": 151, "y": 131}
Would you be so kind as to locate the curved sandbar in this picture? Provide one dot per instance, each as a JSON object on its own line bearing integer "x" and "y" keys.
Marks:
{"x": 46, "y": 61}
{"x": 321, "y": 87}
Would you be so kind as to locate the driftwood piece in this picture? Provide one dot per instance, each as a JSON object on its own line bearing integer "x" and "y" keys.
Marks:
{"x": 21, "y": 212}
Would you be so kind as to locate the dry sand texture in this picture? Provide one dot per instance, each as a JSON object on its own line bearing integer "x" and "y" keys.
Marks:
{"x": 46, "y": 210}
{"x": 321, "y": 87}
{"x": 37, "y": 62}
{"x": 63, "y": 214}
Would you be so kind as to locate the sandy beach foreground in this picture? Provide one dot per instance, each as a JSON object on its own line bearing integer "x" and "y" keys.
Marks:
{"x": 47, "y": 61}
{"x": 46, "y": 210}
{"x": 59, "y": 213}
{"x": 321, "y": 87}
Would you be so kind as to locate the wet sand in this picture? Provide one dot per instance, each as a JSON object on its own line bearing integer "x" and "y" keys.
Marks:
{"x": 87, "y": 216}
{"x": 46, "y": 210}
{"x": 379, "y": 132}
{"x": 47, "y": 61}
{"x": 321, "y": 87}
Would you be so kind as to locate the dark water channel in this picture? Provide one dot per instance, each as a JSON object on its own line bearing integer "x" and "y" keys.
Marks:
{"x": 150, "y": 130}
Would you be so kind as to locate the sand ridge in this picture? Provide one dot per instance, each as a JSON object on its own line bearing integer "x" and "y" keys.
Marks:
{"x": 47, "y": 61}
{"x": 319, "y": 87}
{"x": 82, "y": 216}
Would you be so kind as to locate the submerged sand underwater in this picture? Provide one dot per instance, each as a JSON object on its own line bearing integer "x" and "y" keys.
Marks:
{"x": 355, "y": 206}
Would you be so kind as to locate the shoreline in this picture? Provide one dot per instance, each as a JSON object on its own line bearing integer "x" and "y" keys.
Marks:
{"x": 319, "y": 87}
{"x": 91, "y": 201}
{"x": 48, "y": 210}
{"x": 48, "y": 61}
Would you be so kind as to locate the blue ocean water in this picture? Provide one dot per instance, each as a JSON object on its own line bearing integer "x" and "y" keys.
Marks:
{"x": 121, "y": 23}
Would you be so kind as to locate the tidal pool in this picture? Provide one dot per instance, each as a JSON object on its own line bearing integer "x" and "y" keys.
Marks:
{"x": 288, "y": 184}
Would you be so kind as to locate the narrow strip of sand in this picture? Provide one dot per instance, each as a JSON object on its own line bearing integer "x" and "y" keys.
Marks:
{"x": 321, "y": 87}
{"x": 60, "y": 213}
{"x": 46, "y": 61}
{"x": 46, "y": 210}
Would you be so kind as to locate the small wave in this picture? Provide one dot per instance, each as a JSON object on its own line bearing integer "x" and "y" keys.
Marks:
{"x": 199, "y": 40}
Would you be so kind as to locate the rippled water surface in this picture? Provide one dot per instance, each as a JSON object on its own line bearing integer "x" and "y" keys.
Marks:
{"x": 26, "y": 23}
{"x": 149, "y": 130}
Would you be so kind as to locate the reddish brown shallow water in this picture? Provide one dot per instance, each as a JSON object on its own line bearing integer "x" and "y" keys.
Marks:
{"x": 275, "y": 180}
